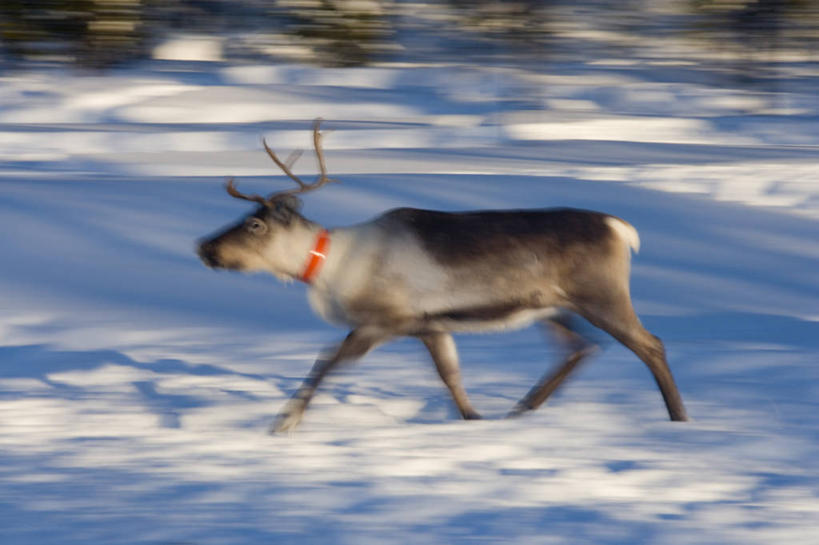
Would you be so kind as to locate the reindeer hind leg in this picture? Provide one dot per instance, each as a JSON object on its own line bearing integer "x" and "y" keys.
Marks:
{"x": 577, "y": 348}
{"x": 617, "y": 317}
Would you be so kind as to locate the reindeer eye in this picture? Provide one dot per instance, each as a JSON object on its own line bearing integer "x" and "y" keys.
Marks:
{"x": 256, "y": 226}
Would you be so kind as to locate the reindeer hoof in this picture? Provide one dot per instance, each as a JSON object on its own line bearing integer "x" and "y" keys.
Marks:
{"x": 286, "y": 422}
{"x": 472, "y": 415}
{"x": 517, "y": 411}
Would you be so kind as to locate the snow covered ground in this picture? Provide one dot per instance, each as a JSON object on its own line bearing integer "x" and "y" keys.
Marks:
{"x": 136, "y": 386}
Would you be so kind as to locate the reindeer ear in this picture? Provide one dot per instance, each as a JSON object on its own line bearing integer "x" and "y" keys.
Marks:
{"x": 285, "y": 207}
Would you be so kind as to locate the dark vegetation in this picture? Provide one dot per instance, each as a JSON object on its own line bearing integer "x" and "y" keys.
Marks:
{"x": 104, "y": 33}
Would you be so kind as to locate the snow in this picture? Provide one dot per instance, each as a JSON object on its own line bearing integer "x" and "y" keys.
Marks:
{"x": 136, "y": 386}
{"x": 190, "y": 48}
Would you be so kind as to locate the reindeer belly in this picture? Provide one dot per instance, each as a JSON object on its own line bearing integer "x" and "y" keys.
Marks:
{"x": 489, "y": 318}
{"x": 474, "y": 306}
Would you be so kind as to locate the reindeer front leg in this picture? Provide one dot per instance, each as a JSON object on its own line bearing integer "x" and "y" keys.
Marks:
{"x": 441, "y": 347}
{"x": 357, "y": 343}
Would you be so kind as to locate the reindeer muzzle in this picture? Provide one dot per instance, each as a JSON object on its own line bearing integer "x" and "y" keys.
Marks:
{"x": 207, "y": 253}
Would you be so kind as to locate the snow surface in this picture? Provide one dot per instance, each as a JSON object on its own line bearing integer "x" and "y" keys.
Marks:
{"x": 136, "y": 386}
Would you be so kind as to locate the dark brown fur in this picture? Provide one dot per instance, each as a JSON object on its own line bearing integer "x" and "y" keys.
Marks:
{"x": 459, "y": 238}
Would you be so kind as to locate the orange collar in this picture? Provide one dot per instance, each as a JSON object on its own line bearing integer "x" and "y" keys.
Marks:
{"x": 317, "y": 257}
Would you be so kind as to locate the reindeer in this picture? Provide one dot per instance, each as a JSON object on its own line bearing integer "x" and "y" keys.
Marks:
{"x": 429, "y": 274}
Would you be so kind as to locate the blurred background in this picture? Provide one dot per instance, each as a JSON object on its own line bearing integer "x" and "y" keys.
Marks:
{"x": 725, "y": 34}
{"x": 88, "y": 82}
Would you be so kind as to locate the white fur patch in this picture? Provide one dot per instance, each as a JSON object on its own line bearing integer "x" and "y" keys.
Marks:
{"x": 625, "y": 231}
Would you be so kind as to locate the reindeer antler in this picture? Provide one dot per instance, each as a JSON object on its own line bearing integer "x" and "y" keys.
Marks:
{"x": 320, "y": 180}
{"x": 286, "y": 165}
{"x": 233, "y": 192}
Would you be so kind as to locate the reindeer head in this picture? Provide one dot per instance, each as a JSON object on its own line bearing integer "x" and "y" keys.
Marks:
{"x": 270, "y": 238}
